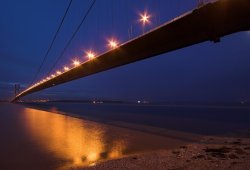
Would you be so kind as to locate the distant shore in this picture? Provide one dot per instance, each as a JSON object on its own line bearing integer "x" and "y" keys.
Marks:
{"x": 142, "y": 102}
{"x": 214, "y": 153}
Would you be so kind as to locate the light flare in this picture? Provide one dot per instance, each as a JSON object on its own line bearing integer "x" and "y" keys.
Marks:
{"x": 66, "y": 68}
{"x": 90, "y": 55}
{"x": 76, "y": 63}
{"x": 113, "y": 43}
{"x": 58, "y": 72}
{"x": 145, "y": 18}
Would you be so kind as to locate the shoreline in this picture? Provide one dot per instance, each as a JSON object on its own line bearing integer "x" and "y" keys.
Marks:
{"x": 214, "y": 153}
{"x": 208, "y": 106}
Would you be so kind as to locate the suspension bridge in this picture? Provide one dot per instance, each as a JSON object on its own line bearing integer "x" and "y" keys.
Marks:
{"x": 208, "y": 22}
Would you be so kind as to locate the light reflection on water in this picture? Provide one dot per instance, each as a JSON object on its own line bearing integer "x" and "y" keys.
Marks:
{"x": 35, "y": 139}
{"x": 73, "y": 140}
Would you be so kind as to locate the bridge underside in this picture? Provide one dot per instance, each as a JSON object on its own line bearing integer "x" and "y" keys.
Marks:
{"x": 207, "y": 23}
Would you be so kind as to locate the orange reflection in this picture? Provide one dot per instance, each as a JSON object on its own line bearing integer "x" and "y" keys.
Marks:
{"x": 76, "y": 141}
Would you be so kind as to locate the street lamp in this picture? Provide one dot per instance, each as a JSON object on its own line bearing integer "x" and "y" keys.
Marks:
{"x": 144, "y": 20}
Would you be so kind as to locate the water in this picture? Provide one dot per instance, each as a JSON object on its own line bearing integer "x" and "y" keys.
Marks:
{"x": 36, "y": 139}
{"x": 208, "y": 120}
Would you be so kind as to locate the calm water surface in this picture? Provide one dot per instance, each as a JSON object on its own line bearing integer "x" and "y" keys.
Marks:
{"x": 208, "y": 120}
{"x": 37, "y": 139}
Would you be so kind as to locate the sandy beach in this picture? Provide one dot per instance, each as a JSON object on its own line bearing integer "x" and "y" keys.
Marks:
{"x": 215, "y": 153}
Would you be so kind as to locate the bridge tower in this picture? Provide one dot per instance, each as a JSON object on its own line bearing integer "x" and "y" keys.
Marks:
{"x": 17, "y": 89}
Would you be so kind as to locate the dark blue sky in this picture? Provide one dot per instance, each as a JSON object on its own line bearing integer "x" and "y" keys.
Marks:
{"x": 205, "y": 72}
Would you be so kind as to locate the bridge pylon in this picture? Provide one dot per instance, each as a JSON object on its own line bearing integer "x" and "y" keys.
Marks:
{"x": 17, "y": 89}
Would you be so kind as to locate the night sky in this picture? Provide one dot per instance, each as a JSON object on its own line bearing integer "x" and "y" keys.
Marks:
{"x": 206, "y": 72}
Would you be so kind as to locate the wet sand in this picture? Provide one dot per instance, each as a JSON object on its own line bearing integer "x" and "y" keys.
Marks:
{"x": 214, "y": 153}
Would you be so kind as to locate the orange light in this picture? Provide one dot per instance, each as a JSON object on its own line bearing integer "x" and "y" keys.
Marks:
{"x": 58, "y": 72}
{"x": 53, "y": 75}
{"x": 48, "y": 78}
{"x": 90, "y": 55}
{"x": 66, "y": 68}
{"x": 76, "y": 63}
{"x": 113, "y": 44}
{"x": 144, "y": 18}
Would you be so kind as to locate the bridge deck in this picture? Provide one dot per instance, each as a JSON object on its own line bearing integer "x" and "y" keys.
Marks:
{"x": 209, "y": 22}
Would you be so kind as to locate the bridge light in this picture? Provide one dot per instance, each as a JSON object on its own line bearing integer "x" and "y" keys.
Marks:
{"x": 66, "y": 68}
{"x": 145, "y": 18}
{"x": 58, "y": 72}
{"x": 48, "y": 78}
{"x": 113, "y": 44}
{"x": 90, "y": 55}
{"x": 53, "y": 75}
{"x": 76, "y": 63}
